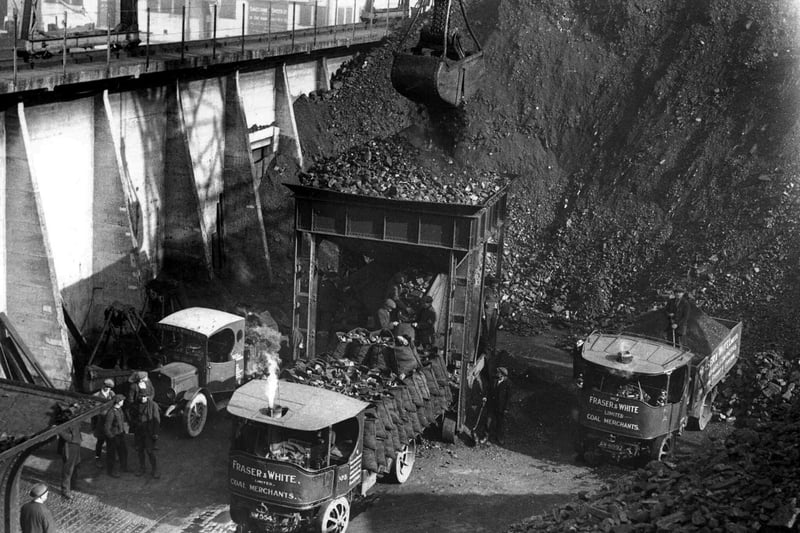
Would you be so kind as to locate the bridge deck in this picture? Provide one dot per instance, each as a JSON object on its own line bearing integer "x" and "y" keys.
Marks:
{"x": 98, "y": 65}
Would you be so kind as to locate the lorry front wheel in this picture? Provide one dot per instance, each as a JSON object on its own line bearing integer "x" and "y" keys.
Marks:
{"x": 194, "y": 415}
{"x": 661, "y": 448}
{"x": 700, "y": 423}
{"x": 334, "y": 517}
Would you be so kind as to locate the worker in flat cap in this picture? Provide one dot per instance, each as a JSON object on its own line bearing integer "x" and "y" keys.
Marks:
{"x": 499, "y": 404}
{"x": 395, "y": 291}
{"x": 489, "y": 316}
{"x": 677, "y": 310}
{"x": 105, "y": 394}
{"x": 426, "y": 323}
{"x": 140, "y": 387}
{"x": 34, "y": 516}
{"x": 71, "y": 439}
{"x": 114, "y": 430}
{"x": 384, "y": 315}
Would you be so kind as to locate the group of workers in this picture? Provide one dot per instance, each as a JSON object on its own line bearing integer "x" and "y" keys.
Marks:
{"x": 136, "y": 413}
{"x": 491, "y": 419}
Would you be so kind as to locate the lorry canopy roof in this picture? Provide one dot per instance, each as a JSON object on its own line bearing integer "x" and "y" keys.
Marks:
{"x": 306, "y": 408}
{"x": 200, "y": 320}
{"x": 650, "y": 356}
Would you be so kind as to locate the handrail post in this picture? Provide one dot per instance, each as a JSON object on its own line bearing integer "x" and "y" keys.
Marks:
{"x": 108, "y": 44}
{"x": 355, "y": 16}
{"x": 214, "y": 38}
{"x": 64, "y": 49}
{"x": 147, "y": 44}
{"x": 183, "y": 31}
{"x": 294, "y": 21}
{"x": 269, "y": 27}
{"x": 335, "y": 18}
{"x": 16, "y": 24}
{"x": 316, "y": 12}
{"x": 243, "y": 19}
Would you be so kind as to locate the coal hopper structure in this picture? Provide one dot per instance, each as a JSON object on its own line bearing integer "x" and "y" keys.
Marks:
{"x": 461, "y": 245}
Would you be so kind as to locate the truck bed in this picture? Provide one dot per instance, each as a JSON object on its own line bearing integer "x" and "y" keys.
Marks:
{"x": 400, "y": 409}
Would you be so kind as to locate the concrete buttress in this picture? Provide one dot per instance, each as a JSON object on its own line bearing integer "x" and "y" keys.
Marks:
{"x": 243, "y": 238}
{"x": 33, "y": 300}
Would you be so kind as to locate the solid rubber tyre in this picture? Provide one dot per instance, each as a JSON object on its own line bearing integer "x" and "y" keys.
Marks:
{"x": 334, "y": 516}
{"x": 661, "y": 447}
{"x": 404, "y": 462}
{"x": 195, "y": 414}
{"x": 700, "y": 423}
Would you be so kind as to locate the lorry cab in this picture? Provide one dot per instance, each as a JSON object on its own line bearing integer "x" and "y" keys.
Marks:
{"x": 633, "y": 395}
{"x": 296, "y": 464}
{"x": 203, "y": 351}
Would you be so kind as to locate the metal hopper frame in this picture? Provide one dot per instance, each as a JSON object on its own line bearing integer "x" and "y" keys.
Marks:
{"x": 463, "y": 234}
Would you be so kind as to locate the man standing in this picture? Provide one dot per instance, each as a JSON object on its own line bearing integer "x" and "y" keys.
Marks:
{"x": 501, "y": 393}
{"x": 678, "y": 312}
{"x": 71, "y": 455}
{"x": 384, "y": 315}
{"x": 34, "y": 517}
{"x": 146, "y": 429}
{"x": 426, "y": 323}
{"x": 105, "y": 394}
{"x": 489, "y": 316}
{"x": 395, "y": 289}
{"x": 114, "y": 430}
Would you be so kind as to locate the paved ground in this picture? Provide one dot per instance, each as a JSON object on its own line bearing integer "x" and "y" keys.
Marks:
{"x": 453, "y": 488}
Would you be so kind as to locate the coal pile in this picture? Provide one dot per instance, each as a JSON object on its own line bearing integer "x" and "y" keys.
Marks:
{"x": 751, "y": 482}
{"x": 386, "y": 168}
{"x": 760, "y": 384}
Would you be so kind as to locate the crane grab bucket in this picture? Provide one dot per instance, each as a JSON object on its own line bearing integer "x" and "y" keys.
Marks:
{"x": 433, "y": 80}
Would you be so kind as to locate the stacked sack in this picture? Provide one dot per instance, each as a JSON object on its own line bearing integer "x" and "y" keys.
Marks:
{"x": 401, "y": 405}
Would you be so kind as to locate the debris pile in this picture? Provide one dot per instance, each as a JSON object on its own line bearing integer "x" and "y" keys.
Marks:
{"x": 751, "y": 482}
{"x": 760, "y": 384}
{"x": 385, "y": 168}
{"x": 403, "y": 404}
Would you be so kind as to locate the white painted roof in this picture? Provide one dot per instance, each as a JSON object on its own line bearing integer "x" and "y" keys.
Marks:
{"x": 650, "y": 356}
{"x": 200, "y": 320}
{"x": 307, "y": 408}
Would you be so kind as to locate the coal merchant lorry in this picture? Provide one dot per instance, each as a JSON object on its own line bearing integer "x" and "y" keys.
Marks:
{"x": 638, "y": 389}
{"x": 363, "y": 384}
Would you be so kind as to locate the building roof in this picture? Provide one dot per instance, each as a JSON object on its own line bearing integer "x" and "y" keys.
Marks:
{"x": 200, "y": 320}
{"x": 304, "y": 407}
{"x": 649, "y": 356}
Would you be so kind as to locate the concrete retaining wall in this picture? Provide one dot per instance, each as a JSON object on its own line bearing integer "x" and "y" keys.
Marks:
{"x": 106, "y": 191}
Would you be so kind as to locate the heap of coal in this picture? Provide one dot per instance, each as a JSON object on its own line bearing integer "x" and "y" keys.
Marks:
{"x": 749, "y": 482}
{"x": 386, "y": 168}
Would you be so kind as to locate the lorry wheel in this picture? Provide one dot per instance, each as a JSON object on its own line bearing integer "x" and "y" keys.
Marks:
{"x": 334, "y": 517}
{"x": 661, "y": 448}
{"x": 194, "y": 415}
{"x": 700, "y": 423}
{"x": 448, "y": 429}
{"x": 404, "y": 462}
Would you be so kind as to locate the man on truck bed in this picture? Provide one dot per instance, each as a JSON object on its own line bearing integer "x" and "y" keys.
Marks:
{"x": 678, "y": 312}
